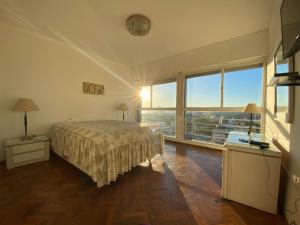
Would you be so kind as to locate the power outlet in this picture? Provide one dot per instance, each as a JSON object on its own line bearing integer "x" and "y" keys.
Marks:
{"x": 296, "y": 179}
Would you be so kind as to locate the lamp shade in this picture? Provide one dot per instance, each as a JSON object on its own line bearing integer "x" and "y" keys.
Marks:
{"x": 25, "y": 105}
{"x": 251, "y": 108}
{"x": 123, "y": 107}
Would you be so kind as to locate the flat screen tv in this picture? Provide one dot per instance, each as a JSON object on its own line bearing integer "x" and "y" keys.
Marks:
{"x": 290, "y": 26}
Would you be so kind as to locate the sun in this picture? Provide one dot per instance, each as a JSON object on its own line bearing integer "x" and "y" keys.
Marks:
{"x": 144, "y": 94}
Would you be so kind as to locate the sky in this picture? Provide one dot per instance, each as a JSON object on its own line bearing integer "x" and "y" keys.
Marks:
{"x": 164, "y": 95}
{"x": 240, "y": 88}
{"x": 243, "y": 87}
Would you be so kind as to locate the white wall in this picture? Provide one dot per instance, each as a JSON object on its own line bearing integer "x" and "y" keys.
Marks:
{"x": 276, "y": 127}
{"x": 293, "y": 191}
{"x": 286, "y": 134}
{"x": 52, "y": 74}
{"x": 250, "y": 47}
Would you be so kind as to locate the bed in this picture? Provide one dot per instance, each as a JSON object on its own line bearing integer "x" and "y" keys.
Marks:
{"x": 106, "y": 149}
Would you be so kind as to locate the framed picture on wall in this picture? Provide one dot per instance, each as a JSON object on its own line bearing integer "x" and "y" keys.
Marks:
{"x": 284, "y": 95}
{"x": 94, "y": 89}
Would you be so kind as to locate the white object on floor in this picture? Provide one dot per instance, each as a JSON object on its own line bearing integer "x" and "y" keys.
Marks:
{"x": 251, "y": 175}
{"x": 19, "y": 152}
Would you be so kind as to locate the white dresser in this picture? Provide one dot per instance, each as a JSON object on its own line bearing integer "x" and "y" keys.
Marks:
{"x": 251, "y": 175}
{"x": 20, "y": 152}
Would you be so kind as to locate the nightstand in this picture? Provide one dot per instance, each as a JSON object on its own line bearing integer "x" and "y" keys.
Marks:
{"x": 251, "y": 175}
{"x": 20, "y": 152}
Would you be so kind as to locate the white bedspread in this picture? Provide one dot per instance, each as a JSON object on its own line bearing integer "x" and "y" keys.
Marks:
{"x": 105, "y": 149}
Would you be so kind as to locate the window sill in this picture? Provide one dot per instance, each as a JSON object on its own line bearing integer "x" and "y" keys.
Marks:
{"x": 211, "y": 146}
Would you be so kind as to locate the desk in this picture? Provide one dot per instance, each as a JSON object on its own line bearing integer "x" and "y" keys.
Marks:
{"x": 251, "y": 175}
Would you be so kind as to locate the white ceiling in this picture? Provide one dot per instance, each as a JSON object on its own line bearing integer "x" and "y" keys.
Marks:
{"x": 98, "y": 26}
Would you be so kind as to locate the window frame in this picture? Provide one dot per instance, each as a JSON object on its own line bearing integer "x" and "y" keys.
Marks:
{"x": 151, "y": 95}
{"x": 181, "y": 107}
{"x": 172, "y": 80}
{"x": 223, "y": 108}
{"x": 289, "y": 114}
{"x": 188, "y": 76}
{"x": 252, "y": 66}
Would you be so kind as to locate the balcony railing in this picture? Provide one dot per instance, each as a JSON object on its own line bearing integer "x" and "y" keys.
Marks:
{"x": 165, "y": 118}
{"x": 214, "y": 127}
{"x": 211, "y": 127}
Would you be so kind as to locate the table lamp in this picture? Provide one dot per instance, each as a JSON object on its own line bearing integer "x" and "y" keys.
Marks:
{"x": 251, "y": 108}
{"x": 123, "y": 107}
{"x": 25, "y": 105}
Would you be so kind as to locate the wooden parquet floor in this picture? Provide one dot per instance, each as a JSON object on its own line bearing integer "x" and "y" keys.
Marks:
{"x": 187, "y": 193}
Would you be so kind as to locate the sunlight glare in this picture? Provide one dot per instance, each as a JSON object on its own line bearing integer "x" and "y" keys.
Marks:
{"x": 145, "y": 94}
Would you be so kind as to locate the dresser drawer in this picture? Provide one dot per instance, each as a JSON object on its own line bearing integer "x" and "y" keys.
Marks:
{"x": 26, "y": 157}
{"x": 19, "y": 149}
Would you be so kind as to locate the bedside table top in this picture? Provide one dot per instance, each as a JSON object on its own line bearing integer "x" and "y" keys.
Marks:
{"x": 233, "y": 143}
{"x": 18, "y": 141}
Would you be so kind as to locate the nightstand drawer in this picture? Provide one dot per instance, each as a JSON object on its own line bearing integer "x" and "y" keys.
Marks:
{"x": 25, "y": 157}
{"x": 22, "y": 152}
{"x": 28, "y": 148}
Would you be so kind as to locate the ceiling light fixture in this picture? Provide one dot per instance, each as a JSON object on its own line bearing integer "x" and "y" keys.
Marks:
{"x": 138, "y": 25}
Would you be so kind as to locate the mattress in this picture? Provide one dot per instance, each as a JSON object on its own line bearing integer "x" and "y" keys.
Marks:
{"x": 105, "y": 149}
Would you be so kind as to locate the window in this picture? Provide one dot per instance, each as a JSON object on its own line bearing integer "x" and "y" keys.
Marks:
{"x": 211, "y": 111}
{"x": 203, "y": 91}
{"x": 242, "y": 87}
{"x": 282, "y": 92}
{"x": 159, "y": 106}
{"x": 214, "y": 127}
{"x": 211, "y": 107}
{"x": 165, "y": 118}
{"x": 164, "y": 95}
{"x": 282, "y": 97}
